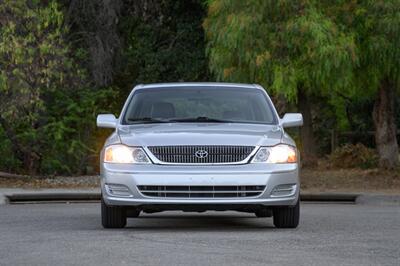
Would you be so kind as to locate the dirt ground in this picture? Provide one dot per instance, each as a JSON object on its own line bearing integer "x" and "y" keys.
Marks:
{"x": 350, "y": 180}
{"x": 313, "y": 180}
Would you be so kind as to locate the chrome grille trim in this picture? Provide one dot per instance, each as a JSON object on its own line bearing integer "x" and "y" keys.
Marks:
{"x": 185, "y": 154}
{"x": 155, "y": 191}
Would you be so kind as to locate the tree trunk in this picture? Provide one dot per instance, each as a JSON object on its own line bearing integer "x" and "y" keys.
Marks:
{"x": 97, "y": 21}
{"x": 306, "y": 131}
{"x": 31, "y": 163}
{"x": 385, "y": 126}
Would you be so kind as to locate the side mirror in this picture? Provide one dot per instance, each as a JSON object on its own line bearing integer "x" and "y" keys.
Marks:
{"x": 292, "y": 120}
{"x": 107, "y": 121}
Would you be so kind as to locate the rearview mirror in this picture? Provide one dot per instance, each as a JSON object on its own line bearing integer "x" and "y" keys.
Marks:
{"x": 107, "y": 121}
{"x": 292, "y": 120}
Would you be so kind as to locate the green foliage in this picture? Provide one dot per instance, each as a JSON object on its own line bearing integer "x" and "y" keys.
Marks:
{"x": 354, "y": 156}
{"x": 47, "y": 109}
{"x": 71, "y": 129}
{"x": 166, "y": 46}
{"x": 377, "y": 24}
{"x": 9, "y": 161}
{"x": 336, "y": 52}
{"x": 283, "y": 45}
{"x": 48, "y": 104}
{"x": 32, "y": 57}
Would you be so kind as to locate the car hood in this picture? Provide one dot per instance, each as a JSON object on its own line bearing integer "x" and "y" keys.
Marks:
{"x": 199, "y": 134}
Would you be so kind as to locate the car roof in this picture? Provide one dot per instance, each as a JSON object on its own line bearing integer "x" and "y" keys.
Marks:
{"x": 197, "y": 84}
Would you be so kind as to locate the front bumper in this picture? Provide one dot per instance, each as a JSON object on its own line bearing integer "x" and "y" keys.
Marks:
{"x": 132, "y": 176}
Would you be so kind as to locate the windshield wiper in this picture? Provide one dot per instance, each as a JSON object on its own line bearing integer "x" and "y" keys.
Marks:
{"x": 147, "y": 120}
{"x": 187, "y": 119}
{"x": 200, "y": 119}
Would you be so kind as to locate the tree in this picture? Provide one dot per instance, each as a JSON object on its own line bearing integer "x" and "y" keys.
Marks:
{"x": 377, "y": 24}
{"x": 163, "y": 41}
{"x": 95, "y": 22}
{"x": 376, "y": 27}
{"x": 64, "y": 61}
{"x": 46, "y": 107}
{"x": 288, "y": 46}
{"x": 32, "y": 62}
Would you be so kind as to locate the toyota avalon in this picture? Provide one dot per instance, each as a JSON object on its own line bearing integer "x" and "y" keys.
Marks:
{"x": 199, "y": 147}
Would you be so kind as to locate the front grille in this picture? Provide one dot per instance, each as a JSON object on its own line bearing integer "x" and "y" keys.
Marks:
{"x": 201, "y": 154}
{"x": 201, "y": 191}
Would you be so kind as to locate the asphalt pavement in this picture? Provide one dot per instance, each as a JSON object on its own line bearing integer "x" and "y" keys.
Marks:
{"x": 71, "y": 234}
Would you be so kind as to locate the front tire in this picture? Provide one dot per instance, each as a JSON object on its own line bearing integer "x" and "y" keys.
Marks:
{"x": 112, "y": 216}
{"x": 287, "y": 217}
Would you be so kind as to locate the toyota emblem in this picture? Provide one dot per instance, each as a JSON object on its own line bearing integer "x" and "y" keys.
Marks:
{"x": 201, "y": 154}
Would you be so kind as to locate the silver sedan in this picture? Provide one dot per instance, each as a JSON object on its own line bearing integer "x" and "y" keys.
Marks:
{"x": 199, "y": 147}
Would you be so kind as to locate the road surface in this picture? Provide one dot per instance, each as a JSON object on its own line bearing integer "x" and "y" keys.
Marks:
{"x": 71, "y": 234}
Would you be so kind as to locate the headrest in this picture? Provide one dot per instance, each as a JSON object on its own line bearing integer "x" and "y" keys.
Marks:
{"x": 162, "y": 110}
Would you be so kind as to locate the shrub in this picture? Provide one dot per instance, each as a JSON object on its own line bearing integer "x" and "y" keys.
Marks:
{"x": 354, "y": 156}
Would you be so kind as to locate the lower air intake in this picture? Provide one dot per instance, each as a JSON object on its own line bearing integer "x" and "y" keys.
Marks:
{"x": 201, "y": 191}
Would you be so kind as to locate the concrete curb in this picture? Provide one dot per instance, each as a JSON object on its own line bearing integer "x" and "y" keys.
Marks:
{"x": 21, "y": 196}
{"x": 60, "y": 195}
{"x": 47, "y": 195}
{"x": 375, "y": 199}
{"x": 3, "y": 199}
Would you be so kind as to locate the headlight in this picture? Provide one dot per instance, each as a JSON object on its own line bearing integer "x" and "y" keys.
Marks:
{"x": 281, "y": 153}
{"x": 125, "y": 154}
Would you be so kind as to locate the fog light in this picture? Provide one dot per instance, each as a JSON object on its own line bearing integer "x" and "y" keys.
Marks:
{"x": 285, "y": 190}
{"x": 118, "y": 190}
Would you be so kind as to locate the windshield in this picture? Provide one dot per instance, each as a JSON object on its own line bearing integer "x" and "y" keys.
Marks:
{"x": 199, "y": 104}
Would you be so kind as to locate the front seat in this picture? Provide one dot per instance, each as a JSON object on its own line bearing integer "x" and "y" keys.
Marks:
{"x": 162, "y": 110}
